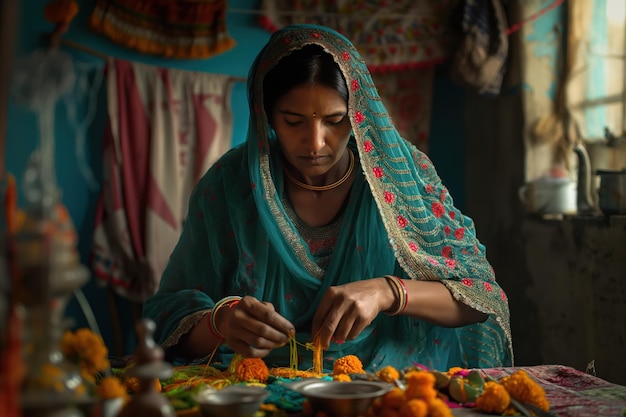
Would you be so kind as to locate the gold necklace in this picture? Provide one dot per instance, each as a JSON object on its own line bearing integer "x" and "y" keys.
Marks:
{"x": 322, "y": 187}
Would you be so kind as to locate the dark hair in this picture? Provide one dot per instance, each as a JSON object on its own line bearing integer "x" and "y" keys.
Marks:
{"x": 308, "y": 65}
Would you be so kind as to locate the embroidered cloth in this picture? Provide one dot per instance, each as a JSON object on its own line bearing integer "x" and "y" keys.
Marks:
{"x": 171, "y": 28}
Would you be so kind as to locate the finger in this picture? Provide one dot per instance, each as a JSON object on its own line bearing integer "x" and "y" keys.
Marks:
{"x": 265, "y": 313}
{"x": 327, "y": 329}
{"x": 322, "y": 325}
{"x": 258, "y": 339}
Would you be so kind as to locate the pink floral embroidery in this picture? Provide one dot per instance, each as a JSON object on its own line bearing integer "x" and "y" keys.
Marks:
{"x": 433, "y": 261}
{"x": 413, "y": 246}
{"x": 468, "y": 282}
{"x": 354, "y": 85}
{"x": 358, "y": 117}
{"x": 438, "y": 209}
{"x": 402, "y": 222}
{"x": 286, "y": 41}
{"x": 389, "y": 197}
{"x": 429, "y": 188}
{"x": 452, "y": 215}
{"x": 260, "y": 143}
{"x": 447, "y": 230}
{"x": 459, "y": 233}
{"x": 316, "y": 35}
{"x": 442, "y": 196}
{"x": 503, "y": 295}
{"x": 345, "y": 56}
{"x": 424, "y": 165}
{"x": 447, "y": 252}
{"x": 367, "y": 146}
{"x": 378, "y": 172}
{"x": 253, "y": 186}
{"x": 451, "y": 263}
{"x": 487, "y": 286}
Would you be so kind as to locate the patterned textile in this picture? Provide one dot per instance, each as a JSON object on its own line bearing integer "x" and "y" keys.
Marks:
{"x": 407, "y": 95}
{"x": 165, "y": 129}
{"x": 573, "y": 393}
{"x": 390, "y": 36}
{"x": 176, "y": 29}
{"x": 400, "y": 49}
{"x": 399, "y": 219}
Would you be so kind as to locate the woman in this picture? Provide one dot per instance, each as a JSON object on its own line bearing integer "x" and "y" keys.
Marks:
{"x": 328, "y": 224}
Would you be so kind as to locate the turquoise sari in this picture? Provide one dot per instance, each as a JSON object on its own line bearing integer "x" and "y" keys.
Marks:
{"x": 400, "y": 219}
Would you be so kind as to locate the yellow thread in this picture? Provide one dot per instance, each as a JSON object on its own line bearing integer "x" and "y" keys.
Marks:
{"x": 293, "y": 353}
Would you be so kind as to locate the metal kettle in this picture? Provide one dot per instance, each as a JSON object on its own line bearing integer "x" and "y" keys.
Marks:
{"x": 584, "y": 201}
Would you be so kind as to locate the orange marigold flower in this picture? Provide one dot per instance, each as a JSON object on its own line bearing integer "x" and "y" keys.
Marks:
{"x": 494, "y": 399}
{"x": 349, "y": 364}
{"x": 342, "y": 378}
{"x": 420, "y": 384}
{"x": 455, "y": 370}
{"x": 252, "y": 369}
{"x": 525, "y": 390}
{"x": 414, "y": 408}
{"x": 388, "y": 374}
{"x": 393, "y": 399}
{"x": 438, "y": 408}
{"x": 111, "y": 387}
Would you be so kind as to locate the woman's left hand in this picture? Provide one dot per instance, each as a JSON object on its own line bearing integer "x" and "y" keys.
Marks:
{"x": 346, "y": 310}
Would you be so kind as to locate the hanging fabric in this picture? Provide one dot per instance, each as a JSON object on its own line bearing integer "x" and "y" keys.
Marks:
{"x": 174, "y": 29}
{"x": 390, "y": 36}
{"x": 165, "y": 129}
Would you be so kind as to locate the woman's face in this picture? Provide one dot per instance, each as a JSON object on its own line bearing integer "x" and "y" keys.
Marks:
{"x": 313, "y": 129}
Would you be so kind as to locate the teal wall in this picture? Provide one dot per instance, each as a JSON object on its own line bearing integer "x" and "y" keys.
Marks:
{"x": 446, "y": 144}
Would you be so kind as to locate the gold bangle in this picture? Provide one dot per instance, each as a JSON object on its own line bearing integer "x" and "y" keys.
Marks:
{"x": 402, "y": 297}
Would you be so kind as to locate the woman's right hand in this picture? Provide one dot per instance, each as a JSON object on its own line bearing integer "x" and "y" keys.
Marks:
{"x": 253, "y": 328}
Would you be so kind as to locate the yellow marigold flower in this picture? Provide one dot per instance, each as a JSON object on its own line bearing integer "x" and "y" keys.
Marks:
{"x": 414, "y": 408}
{"x": 525, "y": 390}
{"x": 349, "y": 364}
{"x": 342, "y": 378}
{"x": 111, "y": 387}
{"x": 438, "y": 408}
{"x": 494, "y": 399}
{"x": 252, "y": 369}
{"x": 393, "y": 399}
{"x": 388, "y": 374}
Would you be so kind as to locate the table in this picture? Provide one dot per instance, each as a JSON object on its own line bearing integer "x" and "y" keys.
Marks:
{"x": 571, "y": 393}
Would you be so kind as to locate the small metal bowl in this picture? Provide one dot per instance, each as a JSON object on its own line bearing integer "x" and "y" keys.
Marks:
{"x": 340, "y": 399}
{"x": 232, "y": 401}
